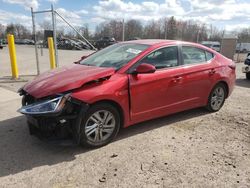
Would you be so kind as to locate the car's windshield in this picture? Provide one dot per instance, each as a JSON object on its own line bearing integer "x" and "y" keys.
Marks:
{"x": 115, "y": 56}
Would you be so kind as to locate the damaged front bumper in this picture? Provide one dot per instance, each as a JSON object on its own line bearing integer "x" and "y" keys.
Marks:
{"x": 57, "y": 119}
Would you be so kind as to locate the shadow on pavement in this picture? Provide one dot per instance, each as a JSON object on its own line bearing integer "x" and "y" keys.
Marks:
{"x": 19, "y": 151}
{"x": 243, "y": 82}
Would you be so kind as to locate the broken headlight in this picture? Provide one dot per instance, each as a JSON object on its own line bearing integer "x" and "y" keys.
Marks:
{"x": 48, "y": 106}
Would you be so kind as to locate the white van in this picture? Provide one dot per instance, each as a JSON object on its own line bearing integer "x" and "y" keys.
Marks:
{"x": 243, "y": 47}
{"x": 215, "y": 45}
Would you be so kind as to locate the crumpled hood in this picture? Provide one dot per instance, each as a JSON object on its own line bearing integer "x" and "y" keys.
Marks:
{"x": 64, "y": 79}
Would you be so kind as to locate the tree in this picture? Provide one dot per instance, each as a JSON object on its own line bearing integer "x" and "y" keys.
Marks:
{"x": 152, "y": 30}
{"x": 171, "y": 28}
{"x": 133, "y": 28}
{"x": 116, "y": 31}
{"x": 10, "y": 29}
{"x": 85, "y": 31}
{"x": 21, "y": 31}
{"x": 244, "y": 35}
{"x": 46, "y": 25}
{"x": 2, "y": 31}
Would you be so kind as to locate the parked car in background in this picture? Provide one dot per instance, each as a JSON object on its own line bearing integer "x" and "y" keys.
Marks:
{"x": 135, "y": 38}
{"x": 124, "y": 84}
{"x": 68, "y": 44}
{"x": 104, "y": 42}
{"x": 212, "y": 44}
{"x": 243, "y": 47}
{"x": 1, "y": 44}
{"x": 246, "y": 69}
{"x": 83, "y": 44}
{"x": 3, "y": 41}
{"x": 24, "y": 41}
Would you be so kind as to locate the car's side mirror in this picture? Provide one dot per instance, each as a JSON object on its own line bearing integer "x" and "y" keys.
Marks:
{"x": 145, "y": 68}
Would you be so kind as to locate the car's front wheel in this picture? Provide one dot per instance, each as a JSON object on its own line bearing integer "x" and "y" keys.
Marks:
{"x": 216, "y": 98}
{"x": 100, "y": 125}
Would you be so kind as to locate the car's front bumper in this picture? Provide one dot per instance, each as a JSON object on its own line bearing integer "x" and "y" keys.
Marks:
{"x": 60, "y": 127}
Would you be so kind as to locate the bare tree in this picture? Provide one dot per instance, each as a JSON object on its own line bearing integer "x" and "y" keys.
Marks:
{"x": 2, "y": 31}
{"x": 10, "y": 29}
{"x": 171, "y": 28}
{"x": 46, "y": 25}
{"x": 244, "y": 35}
{"x": 133, "y": 28}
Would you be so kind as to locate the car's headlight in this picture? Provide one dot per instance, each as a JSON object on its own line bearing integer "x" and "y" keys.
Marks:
{"x": 49, "y": 106}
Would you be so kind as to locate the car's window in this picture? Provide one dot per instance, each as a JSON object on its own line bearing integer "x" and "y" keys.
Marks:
{"x": 193, "y": 55}
{"x": 209, "y": 55}
{"x": 115, "y": 56}
{"x": 162, "y": 58}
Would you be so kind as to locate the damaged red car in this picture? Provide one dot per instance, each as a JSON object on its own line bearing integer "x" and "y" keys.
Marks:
{"x": 124, "y": 84}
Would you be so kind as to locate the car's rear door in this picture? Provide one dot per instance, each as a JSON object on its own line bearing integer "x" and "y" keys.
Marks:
{"x": 199, "y": 72}
{"x": 159, "y": 93}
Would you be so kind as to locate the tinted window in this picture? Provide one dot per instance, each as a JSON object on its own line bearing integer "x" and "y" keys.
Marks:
{"x": 209, "y": 55}
{"x": 193, "y": 55}
{"x": 163, "y": 58}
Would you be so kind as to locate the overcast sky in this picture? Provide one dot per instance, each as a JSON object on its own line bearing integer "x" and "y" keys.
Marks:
{"x": 225, "y": 14}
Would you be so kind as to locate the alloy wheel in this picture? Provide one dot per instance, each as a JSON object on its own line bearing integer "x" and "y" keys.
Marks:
{"x": 100, "y": 126}
{"x": 217, "y": 98}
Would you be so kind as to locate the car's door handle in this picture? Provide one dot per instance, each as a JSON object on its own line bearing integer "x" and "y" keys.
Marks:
{"x": 177, "y": 79}
{"x": 212, "y": 71}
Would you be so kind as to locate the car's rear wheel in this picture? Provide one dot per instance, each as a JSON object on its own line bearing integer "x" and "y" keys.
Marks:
{"x": 100, "y": 125}
{"x": 216, "y": 98}
{"x": 248, "y": 75}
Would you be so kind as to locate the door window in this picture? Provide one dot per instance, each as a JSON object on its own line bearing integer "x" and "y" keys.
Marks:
{"x": 193, "y": 55}
{"x": 209, "y": 55}
{"x": 162, "y": 58}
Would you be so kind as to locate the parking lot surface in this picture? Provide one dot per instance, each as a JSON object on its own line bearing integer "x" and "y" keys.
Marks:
{"x": 194, "y": 148}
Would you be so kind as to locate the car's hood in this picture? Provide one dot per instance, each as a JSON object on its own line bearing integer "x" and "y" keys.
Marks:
{"x": 64, "y": 79}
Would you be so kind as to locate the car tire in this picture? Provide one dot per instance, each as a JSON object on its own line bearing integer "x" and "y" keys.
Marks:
{"x": 216, "y": 98}
{"x": 100, "y": 125}
{"x": 248, "y": 75}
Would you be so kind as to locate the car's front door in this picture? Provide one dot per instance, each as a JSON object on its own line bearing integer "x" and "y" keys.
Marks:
{"x": 159, "y": 93}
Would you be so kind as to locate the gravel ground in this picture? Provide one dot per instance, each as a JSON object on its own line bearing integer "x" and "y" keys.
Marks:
{"x": 189, "y": 149}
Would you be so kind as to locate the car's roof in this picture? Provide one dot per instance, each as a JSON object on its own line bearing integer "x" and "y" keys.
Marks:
{"x": 162, "y": 42}
{"x": 150, "y": 41}
{"x": 156, "y": 42}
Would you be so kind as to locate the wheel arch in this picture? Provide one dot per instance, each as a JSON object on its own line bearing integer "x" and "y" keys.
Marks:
{"x": 225, "y": 85}
{"x": 116, "y": 105}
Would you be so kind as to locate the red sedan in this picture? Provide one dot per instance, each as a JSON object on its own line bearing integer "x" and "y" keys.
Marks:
{"x": 122, "y": 85}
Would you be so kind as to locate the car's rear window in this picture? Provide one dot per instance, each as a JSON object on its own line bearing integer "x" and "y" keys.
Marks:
{"x": 193, "y": 55}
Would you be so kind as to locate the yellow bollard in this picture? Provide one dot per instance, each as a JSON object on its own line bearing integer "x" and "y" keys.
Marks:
{"x": 12, "y": 52}
{"x": 51, "y": 53}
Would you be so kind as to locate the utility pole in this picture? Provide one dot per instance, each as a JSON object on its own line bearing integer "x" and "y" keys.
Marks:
{"x": 198, "y": 36}
{"x": 123, "y": 30}
{"x": 34, "y": 36}
{"x": 165, "y": 28}
{"x": 54, "y": 33}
